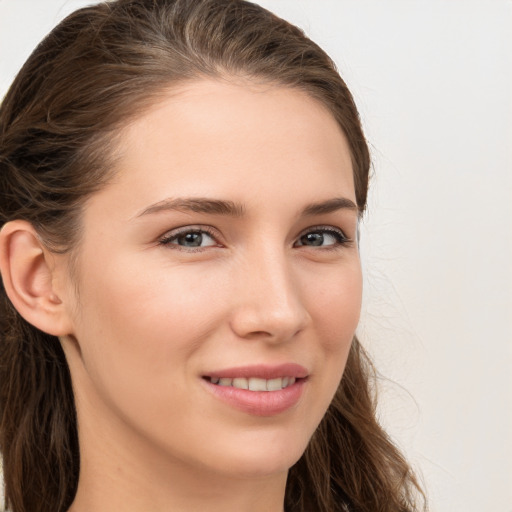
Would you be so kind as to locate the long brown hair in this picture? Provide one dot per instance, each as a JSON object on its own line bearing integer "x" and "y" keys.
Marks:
{"x": 100, "y": 67}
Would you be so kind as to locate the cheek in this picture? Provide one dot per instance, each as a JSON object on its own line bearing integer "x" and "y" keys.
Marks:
{"x": 149, "y": 297}
{"x": 335, "y": 306}
{"x": 143, "y": 324}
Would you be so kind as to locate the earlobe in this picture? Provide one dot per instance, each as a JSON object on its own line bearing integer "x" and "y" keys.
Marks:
{"x": 27, "y": 269}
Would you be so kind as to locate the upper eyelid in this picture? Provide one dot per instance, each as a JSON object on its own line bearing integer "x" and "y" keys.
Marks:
{"x": 209, "y": 230}
{"x": 324, "y": 227}
{"x": 165, "y": 239}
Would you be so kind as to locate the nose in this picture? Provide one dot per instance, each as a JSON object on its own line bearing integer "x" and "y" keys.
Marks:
{"x": 268, "y": 304}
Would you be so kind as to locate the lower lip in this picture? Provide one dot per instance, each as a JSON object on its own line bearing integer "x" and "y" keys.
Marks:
{"x": 259, "y": 403}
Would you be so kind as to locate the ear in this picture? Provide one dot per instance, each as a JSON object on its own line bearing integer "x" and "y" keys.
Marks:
{"x": 28, "y": 271}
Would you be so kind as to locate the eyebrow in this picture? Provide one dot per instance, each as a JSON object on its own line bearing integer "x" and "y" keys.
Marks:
{"x": 198, "y": 205}
{"x": 233, "y": 209}
{"x": 329, "y": 206}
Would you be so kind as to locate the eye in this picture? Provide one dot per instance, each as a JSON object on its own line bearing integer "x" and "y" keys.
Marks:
{"x": 190, "y": 239}
{"x": 322, "y": 237}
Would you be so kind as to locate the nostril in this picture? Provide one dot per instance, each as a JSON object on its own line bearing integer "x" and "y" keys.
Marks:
{"x": 258, "y": 334}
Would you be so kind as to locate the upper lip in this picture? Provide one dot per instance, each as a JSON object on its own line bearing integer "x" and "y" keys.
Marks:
{"x": 262, "y": 371}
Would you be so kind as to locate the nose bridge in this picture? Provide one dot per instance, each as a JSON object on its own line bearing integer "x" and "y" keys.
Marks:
{"x": 269, "y": 302}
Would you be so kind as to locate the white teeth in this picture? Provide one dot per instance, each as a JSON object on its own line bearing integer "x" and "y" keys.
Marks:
{"x": 274, "y": 384}
{"x": 255, "y": 383}
{"x": 240, "y": 383}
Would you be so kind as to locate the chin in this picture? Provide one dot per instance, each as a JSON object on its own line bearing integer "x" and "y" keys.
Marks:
{"x": 261, "y": 459}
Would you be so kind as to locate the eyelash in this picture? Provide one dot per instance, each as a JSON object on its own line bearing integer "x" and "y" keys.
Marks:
{"x": 340, "y": 237}
{"x": 168, "y": 239}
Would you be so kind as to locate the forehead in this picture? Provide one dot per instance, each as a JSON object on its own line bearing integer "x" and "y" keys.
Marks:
{"x": 237, "y": 138}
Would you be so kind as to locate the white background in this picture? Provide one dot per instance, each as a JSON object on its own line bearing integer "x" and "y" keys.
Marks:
{"x": 433, "y": 81}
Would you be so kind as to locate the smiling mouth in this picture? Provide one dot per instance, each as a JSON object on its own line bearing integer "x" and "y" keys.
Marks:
{"x": 259, "y": 390}
{"x": 254, "y": 383}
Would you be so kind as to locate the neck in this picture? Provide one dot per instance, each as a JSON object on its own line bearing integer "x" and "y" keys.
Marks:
{"x": 126, "y": 488}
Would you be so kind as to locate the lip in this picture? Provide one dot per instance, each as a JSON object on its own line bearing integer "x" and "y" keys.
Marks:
{"x": 259, "y": 403}
{"x": 261, "y": 371}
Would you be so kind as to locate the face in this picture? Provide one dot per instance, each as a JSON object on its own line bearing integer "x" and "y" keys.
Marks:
{"x": 222, "y": 256}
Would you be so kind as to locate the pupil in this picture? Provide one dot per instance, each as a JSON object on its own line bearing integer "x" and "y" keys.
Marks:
{"x": 313, "y": 239}
{"x": 191, "y": 239}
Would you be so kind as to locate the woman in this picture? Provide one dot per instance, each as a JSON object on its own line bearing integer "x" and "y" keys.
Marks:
{"x": 181, "y": 187}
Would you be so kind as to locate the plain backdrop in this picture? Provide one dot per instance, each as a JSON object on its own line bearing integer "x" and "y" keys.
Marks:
{"x": 433, "y": 82}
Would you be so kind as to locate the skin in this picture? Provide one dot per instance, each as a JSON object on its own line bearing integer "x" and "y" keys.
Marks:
{"x": 150, "y": 319}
